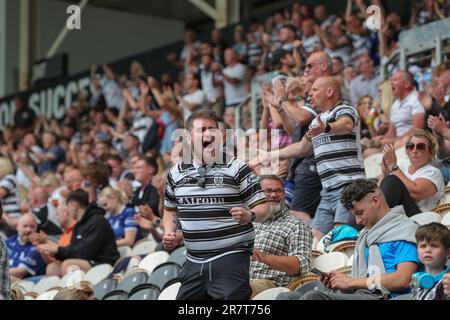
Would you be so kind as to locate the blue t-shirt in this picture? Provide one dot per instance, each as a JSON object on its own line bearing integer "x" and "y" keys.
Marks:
{"x": 394, "y": 253}
{"x": 52, "y": 165}
{"x": 123, "y": 222}
{"x": 25, "y": 256}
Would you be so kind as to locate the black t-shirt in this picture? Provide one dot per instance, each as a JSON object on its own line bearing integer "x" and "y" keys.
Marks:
{"x": 436, "y": 110}
{"x": 23, "y": 119}
{"x": 146, "y": 195}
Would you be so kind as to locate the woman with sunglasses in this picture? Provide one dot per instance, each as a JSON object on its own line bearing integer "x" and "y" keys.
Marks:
{"x": 421, "y": 186}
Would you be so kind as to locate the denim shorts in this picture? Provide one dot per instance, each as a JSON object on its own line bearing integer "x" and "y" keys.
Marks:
{"x": 331, "y": 211}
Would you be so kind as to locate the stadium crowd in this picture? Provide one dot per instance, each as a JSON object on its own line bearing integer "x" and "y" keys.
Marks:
{"x": 74, "y": 190}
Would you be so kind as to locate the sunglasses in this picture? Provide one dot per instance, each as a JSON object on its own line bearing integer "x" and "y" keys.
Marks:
{"x": 309, "y": 66}
{"x": 201, "y": 180}
{"x": 419, "y": 147}
{"x": 349, "y": 205}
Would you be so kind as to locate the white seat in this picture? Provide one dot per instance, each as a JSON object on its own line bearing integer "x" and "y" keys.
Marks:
{"x": 346, "y": 247}
{"x": 144, "y": 247}
{"x": 132, "y": 264}
{"x": 48, "y": 295}
{"x": 426, "y": 218}
{"x": 372, "y": 165}
{"x": 330, "y": 261}
{"x": 46, "y": 283}
{"x": 71, "y": 279}
{"x": 170, "y": 293}
{"x": 270, "y": 294}
{"x": 124, "y": 251}
{"x": 98, "y": 273}
{"x": 350, "y": 261}
{"x": 25, "y": 285}
{"x": 446, "y": 220}
{"x": 151, "y": 261}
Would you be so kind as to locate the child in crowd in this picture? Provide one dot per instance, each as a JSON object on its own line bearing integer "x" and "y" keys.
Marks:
{"x": 433, "y": 246}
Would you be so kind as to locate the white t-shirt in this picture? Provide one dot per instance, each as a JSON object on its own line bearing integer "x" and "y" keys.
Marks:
{"x": 235, "y": 93}
{"x": 433, "y": 174}
{"x": 402, "y": 112}
{"x": 197, "y": 97}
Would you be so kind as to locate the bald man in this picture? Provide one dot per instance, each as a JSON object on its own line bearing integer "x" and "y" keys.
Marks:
{"x": 303, "y": 171}
{"x": 334, "y": 136}
{"x": 24, "y": 259}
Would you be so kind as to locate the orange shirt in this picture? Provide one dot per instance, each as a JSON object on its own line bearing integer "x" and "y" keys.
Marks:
{"x": 65, "y": 238}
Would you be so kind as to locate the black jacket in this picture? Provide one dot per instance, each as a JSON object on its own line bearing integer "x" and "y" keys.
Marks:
{"x": 147, "y": 195}
{"x": 92, "y": 239}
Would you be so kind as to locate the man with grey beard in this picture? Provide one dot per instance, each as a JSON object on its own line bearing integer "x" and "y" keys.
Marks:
{"x": 283, "y": 242}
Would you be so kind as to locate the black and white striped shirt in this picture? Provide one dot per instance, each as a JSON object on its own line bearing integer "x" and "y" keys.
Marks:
{"x": 208, "y": 228}
{"x": 339, "y": 157}
{"x": 10, "y": 203}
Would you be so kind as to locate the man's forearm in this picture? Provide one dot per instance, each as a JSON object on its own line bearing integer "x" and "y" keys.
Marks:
{"x": 288, "y": 264}
{"x": 296, "y": 150}
{"x": 170, "y": 221}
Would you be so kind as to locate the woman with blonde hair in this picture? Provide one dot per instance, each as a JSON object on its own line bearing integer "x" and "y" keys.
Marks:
{"x": 421, "y": 186}
{"x": 9, "y": 198}
{"x": 84, "y": 292}
{"x": 120, "y": 217}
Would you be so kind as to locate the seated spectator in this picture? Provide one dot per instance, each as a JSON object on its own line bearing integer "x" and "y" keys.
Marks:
{"x": 38, "y": 200}
{"x": 120, "y": 217}
{"x": 24, "y": 117}
{"x": 70, "y": 293}
{"x": 386, "y": 244}
{"x": 67, "y": 221}
{"x": 9, "y": 198}
{"x": 407, "y": 114}
{"x": 24, "y": 258}
{"x": 421, "y": 186}
{"x": 279, "y": 254}
{"x": 93, "y": 241}
{"x": 51, "y": 155}
{"x": 446, "y": 285}
{"x": 433, "y": 247}
{"x": 118, "y": 170}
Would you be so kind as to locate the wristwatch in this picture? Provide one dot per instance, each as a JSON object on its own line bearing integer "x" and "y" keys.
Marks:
{"x": 253, "y": 216}
{"x": 393, "y": 167}
{"x": 282, "y": 99}
{"x": 327, "y": 128}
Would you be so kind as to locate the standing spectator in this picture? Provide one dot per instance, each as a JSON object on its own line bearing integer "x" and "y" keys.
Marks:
{"x": 194, "y": 98}
{"x": 24, "y": 259}
{"x": 311, "y": 41}
{"x": 357, "y": 34}
{"x": 110, "y": 88}
{"x": 366, "y": 84}
{"x": 9, "y": 198}
{"x": 321, "y": 15}
{"x": 51, "y": 156}
{"x": 240, "y": 45}
{"x": 93, "y": 241}
{"x": 439, "y": 101}
{"x": 282, "y": 244}
{"x": 407, "y": 114}
{"x": 334, "y": 138}
{"x": 234, "y": 79}
{"x": 210, "y": 203}
{"x": 24, "y": 117}
{"x": 287, "y": 36}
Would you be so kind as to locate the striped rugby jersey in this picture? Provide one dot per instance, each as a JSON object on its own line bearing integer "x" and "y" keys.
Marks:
{"x": 339, "y": 157}
{"x": 10, "y": 203}
{"x": 209, "y": 230}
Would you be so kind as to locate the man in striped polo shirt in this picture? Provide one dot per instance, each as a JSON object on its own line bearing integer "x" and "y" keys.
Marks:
{"x": 334, "y": 135}
{"x": 215, "y": 205}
